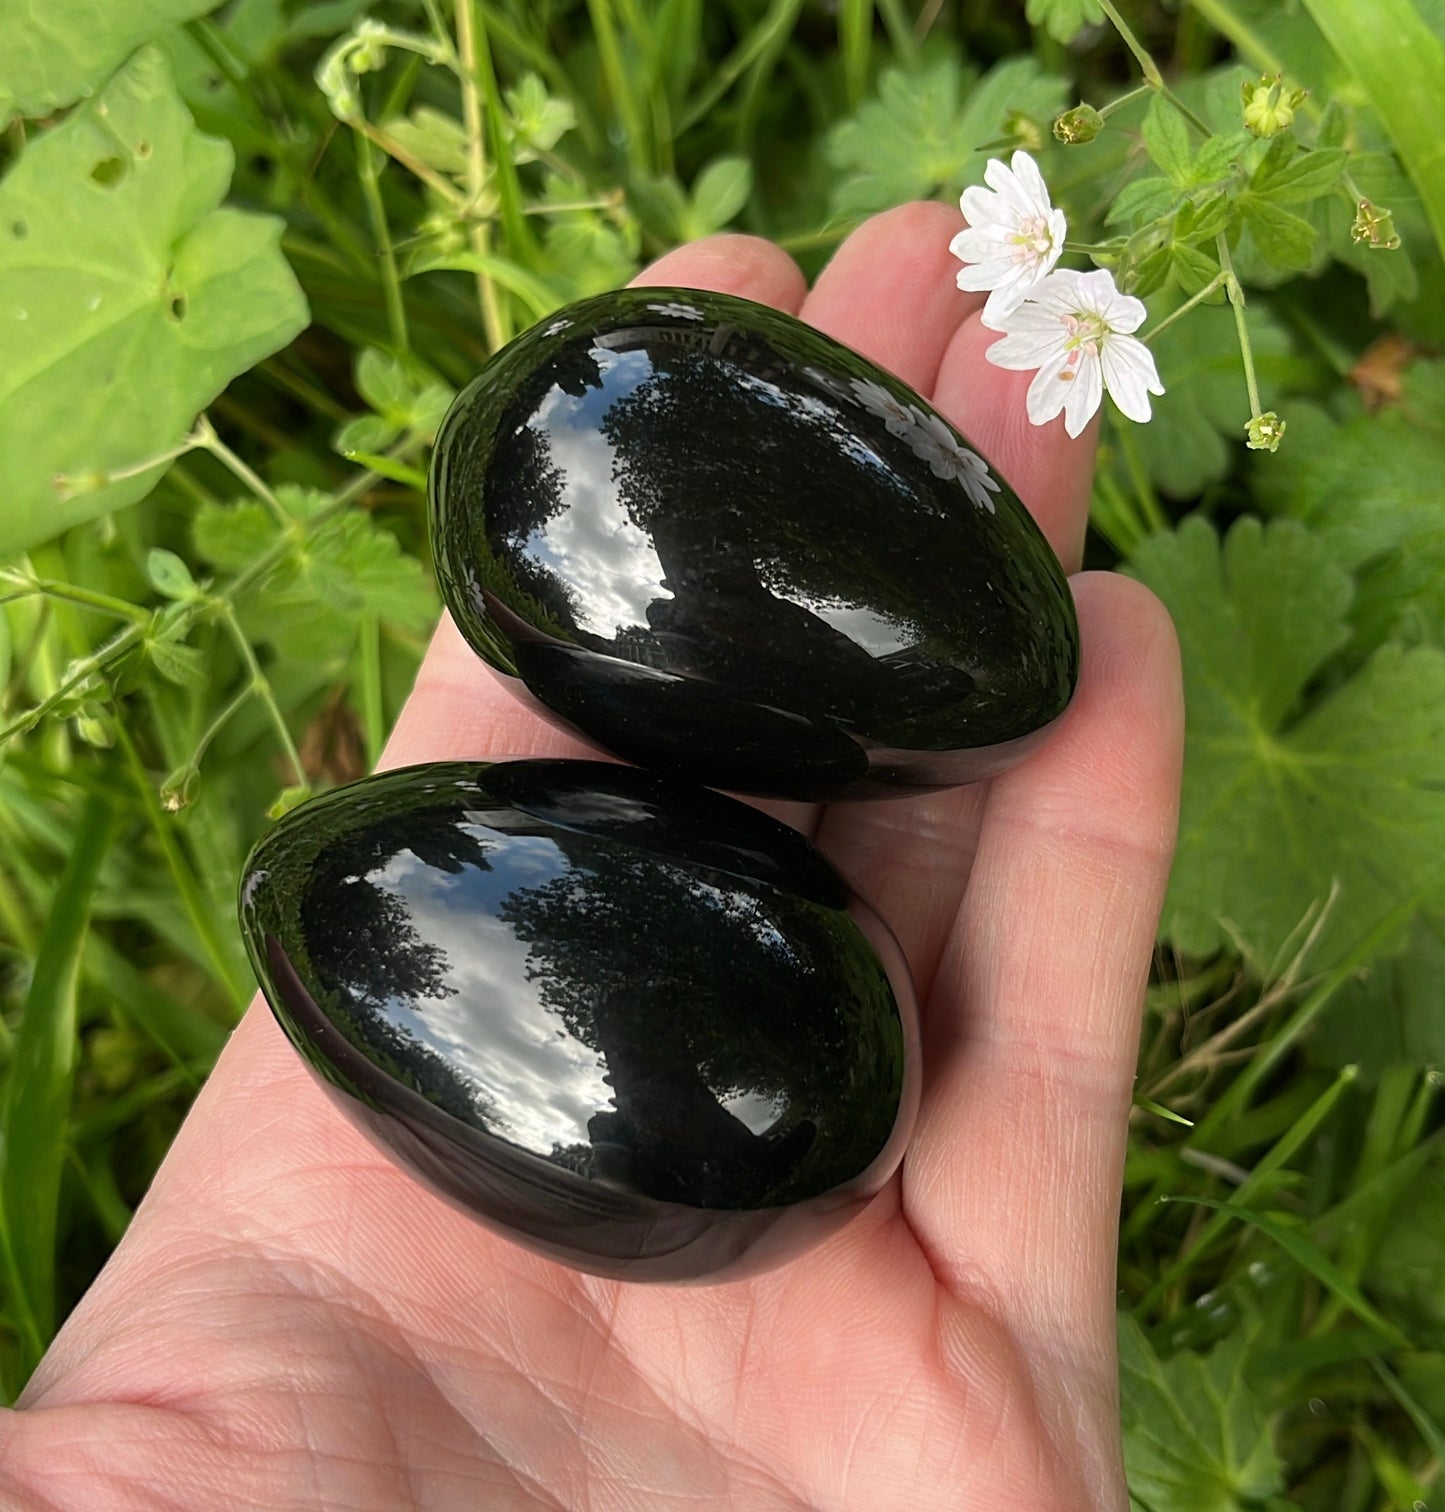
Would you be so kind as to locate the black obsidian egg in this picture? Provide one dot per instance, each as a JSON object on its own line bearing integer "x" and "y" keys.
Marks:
{"x": 721, "y": 545}
{"x": 634, "y": 1025}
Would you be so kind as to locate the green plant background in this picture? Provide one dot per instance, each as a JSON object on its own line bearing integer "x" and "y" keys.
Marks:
{"x": 197, "y": 626}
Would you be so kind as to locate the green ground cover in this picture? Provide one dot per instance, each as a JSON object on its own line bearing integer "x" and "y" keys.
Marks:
{"x": 312, "y": 219}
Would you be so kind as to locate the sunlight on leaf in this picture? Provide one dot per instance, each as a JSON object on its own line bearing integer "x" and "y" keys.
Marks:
{"x": 130, "y": 299}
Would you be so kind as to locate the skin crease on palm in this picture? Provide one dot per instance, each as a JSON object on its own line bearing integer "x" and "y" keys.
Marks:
{"x": 291, "y": 1322}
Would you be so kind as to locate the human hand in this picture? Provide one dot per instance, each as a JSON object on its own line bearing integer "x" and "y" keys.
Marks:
{"x": 291, "y": 1321}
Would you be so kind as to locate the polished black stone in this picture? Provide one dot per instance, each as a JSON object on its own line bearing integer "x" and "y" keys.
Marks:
{"x": 632, "y": 1024}
{"x": 719, "y": 544}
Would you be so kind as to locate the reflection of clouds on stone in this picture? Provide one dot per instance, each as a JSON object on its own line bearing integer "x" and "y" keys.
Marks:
{"x": 934, "y": 442}
{"x": 592, "y": 544}
{"x": 540, "y": 1084}
{"x": 557, "y": 327}
{"x": 863, "y": 626}
{"x": 678, "y": 311}
{"x": 877, "y": 400}
{"x": 755, "y": 1111}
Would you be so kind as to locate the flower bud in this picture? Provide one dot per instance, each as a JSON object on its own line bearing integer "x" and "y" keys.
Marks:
{"x": 1268, "y": 106}
{"x": 1024, "y": 130}
{"x": 1265, "y": 432}
{"x": 1376, "y": 225}
{"x": 1081, "y": 124}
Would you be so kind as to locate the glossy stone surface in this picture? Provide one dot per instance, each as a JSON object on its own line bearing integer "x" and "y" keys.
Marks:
{"x": 632, "y": 1024}
{"x": 719, "y": 544}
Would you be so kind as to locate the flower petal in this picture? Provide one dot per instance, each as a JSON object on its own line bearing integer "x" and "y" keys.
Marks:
{"x": 1031, "y": 183}
{"x": 1086, "y": 394}
{"x": 1047, "y": 395}
{"x": 1130, "y": 375}
{"x": 1024, "y": 351}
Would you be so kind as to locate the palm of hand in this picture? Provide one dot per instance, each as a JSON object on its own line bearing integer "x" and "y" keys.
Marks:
{"x": 291, "y": 1322}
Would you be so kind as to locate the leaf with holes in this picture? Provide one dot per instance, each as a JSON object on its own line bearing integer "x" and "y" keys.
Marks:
{"x": 129, "y": 298}
{"x": 58, "y": 50}
{"x": 1287, "y": 790}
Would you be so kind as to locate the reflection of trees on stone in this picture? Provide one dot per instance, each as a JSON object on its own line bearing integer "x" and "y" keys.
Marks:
{"x": 700, "y": 447}
{"x": 363, "y": 944}
{"x": 692, "y": 995}
{"x": 360, "y": 933}
{"x": 525, "y": 490}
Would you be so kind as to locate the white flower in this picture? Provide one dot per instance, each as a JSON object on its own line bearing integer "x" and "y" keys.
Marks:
{"x": 1075, "y": 329}
{"x": 947, "y": 457}
{"x": 1014, "y": 235}
{"x": 892, "y": 411}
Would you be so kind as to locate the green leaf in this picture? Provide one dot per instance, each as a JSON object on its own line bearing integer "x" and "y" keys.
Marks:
{"x": 1280, "y": 236}
{"x": 1187, "y": 444}
{"x": 1304, "y": 176}
{"x": 1370, "y": 489}
{"x": 177, "y": 663}
{"x": 1063, "y": 19}
{"x": 58, "y": 50}
{"x": 721, "y": 191}
{"x": 1219, "y": 156}
{"x": 929, "y": 129}
{"x": 366, "y": 433}
{"x": 1399, "y": 61}
{"x": 1394, "y": 1015}
{"x": 1283, "y": 793}
{"x": 1166, "y": 139}
{"x": 169, "y": 575}
{"x": 538, "y": 120}
{"x": 1195, "y": 1437}
{"x": 512, "y": 276}
{"x": 1144, "y": 200}
{"x": 383, "y": 382}
{"x": 129, "y": 299}
{"x": 35, "y": 1114}
{"x": 310, "y": 604}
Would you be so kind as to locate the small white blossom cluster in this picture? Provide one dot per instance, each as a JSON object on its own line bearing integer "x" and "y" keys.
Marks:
{"x": 1073, "y": 330}
{"x": 931, "y": 439}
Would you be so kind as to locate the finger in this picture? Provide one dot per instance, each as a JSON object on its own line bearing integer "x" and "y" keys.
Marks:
{"x": 1012, "y": 1181}
{"x": 1049, "y": 472}
{"x": 731, "y": 263}
{"x": 890, "y": 291}
{"x": 458, "y": 708}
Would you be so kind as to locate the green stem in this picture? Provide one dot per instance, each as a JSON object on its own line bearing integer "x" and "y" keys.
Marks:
{"x": 1105, "y": 111}
{"x": 261, "y": 687}
{"x": 1149, "y": 68}
{"x": 209, "y": 440}
{"x": 480, "y": 237}
{"x": 1235, "y": 292}
{"x": 376, "y": 214}
{"x": 87, "y": 598}
{"x": 373, "y": 715}
{"x": 1139, "y": 477}
{"x": 619, "y": 82}
{"x": 1213, "y": 286}
{"x": 200, "y": 912}
{"x": 123, "y": 641}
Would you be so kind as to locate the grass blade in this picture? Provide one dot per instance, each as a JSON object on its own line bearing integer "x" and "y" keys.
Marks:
{"x": 1400, "y": 63}
{"x": 34, "y": 1119}
{"x": 1305, "y": 1254}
